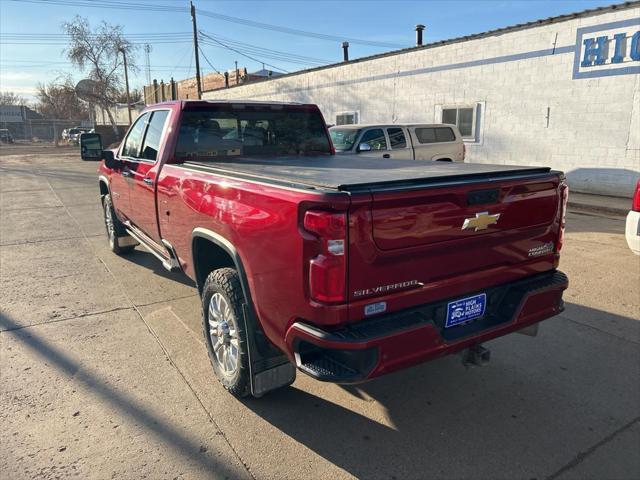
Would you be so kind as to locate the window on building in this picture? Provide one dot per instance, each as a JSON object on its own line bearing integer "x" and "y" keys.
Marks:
{"x": 461, "y": 117}
{"x": 347, "y": 118}
{"x": 375, "y": 138}
{"x": 435, "y": 135}
{"x": 397, "y": 138}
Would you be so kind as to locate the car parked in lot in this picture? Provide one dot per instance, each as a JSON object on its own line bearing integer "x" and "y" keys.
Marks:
{"x": 632, "y": 230}
{"x": 401, "y": 142}
{"x": 73, "y": 134}
{"x": 5, "y": 136}
{"x": 345, "y": 269}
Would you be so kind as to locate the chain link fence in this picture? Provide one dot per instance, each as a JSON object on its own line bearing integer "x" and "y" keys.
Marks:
{"x": 49, "y": 130}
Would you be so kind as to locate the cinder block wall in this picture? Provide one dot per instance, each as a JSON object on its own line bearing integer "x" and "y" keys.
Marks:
{"x": 517, "y": 79}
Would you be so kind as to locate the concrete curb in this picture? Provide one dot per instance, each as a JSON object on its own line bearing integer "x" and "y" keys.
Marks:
{"x": 601, "y": 209}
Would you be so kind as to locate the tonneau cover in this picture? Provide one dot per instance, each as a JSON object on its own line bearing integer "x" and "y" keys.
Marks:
{"x": 351, "y": 173}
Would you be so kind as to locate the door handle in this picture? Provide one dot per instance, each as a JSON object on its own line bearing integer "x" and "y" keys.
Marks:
{"x": 148, "y": 181}
{"x": 126, "y": 173}
{"x": 386, "y": 155}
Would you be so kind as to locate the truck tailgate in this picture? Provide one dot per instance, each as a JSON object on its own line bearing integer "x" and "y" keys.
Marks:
{"x": 458, "y": 238}
{"x": 428, "y": 217}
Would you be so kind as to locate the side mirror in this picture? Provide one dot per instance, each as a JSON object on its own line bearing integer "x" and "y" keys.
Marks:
{"x": 90, "y": 146}
{"x": 109, "y": 159}
{"x": 364, "y": 147}
{"x": 91, "y": 149}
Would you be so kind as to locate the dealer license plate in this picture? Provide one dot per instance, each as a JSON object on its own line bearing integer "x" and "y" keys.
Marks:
{"x": 465, "y": 310}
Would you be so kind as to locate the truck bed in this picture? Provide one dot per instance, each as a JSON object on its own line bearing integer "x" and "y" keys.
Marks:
{"x": 354, "y": 174}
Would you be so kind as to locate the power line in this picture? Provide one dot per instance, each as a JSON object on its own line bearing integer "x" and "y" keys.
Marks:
{"x": 207, "y": 60}
{"x": 295, "y": 31}
{"x": 226, "y": 18}
{"x": 187, "y": 51}
{"x": 257, "y": 53}
{"x": 241, "y": 53}
{"x": 145, "y": 39}
{"x": 306, "y": 60}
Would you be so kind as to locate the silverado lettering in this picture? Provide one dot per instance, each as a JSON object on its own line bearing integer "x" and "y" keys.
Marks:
{"x": 283, "y": 238}
{"x": 385, "y": 288}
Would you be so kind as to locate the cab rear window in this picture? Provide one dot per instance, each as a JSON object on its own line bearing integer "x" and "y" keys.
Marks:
{"x": 218, "y": 133}
{"x": 435, "y": 134}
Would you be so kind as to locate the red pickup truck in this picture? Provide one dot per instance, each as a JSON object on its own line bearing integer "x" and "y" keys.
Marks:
{"x": 345, "y": 268}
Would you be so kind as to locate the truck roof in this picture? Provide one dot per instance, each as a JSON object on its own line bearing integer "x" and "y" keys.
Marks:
{"x": 357, "y": 174}
{"x": 203, "y": 103}
{"x": 357, "y": 126}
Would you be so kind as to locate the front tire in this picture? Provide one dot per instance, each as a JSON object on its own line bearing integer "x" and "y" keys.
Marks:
{"x": 224, "y": 332}
{"x": 114, "y": 227}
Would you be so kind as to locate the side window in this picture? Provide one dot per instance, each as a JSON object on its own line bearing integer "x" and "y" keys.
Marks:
{"x": 426, "y": 135}
{"x": 133, "y": 142}
{"x": 444, "y": 135}
{"x": 375, "y": 138}
{"x": 397, "y": 138}
{"x": 154, "y": 133}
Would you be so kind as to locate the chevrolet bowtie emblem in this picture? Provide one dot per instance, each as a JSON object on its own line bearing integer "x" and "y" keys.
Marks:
{"x": 481, "y": 221}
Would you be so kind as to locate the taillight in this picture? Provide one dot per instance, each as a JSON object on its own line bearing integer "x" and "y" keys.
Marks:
{"x": 328, "y": 270}
{"x": 564, "y": 194}
{"x": 635, "y": 206}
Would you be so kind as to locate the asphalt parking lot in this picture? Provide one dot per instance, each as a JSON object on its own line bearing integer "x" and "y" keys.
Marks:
{"x": 104, "y": 374}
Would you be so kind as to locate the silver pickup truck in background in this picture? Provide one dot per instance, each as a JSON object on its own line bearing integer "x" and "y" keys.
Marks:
{"x": 403, "y": 142}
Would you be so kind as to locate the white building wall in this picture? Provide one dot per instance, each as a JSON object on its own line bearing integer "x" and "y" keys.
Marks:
{"x": 517, "y": 79}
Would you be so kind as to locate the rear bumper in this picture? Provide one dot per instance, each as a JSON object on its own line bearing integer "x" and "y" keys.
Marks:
{"x": 386, "y": 343}
{"x": 632, "y": 231}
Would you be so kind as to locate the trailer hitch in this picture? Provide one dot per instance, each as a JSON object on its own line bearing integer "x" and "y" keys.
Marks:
{"x": 476, "y": 356}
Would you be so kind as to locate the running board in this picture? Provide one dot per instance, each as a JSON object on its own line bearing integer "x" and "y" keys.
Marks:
{"x": 170, "y": 264}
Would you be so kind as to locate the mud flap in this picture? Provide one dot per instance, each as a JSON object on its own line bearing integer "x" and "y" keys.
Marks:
{"x": 530, "y": 331}
{"x": 269, "y": 368}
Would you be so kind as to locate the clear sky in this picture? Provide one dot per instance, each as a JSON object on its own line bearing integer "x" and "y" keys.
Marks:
{"x": 36, "y": 54}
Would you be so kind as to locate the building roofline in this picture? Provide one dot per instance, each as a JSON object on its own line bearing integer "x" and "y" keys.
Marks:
{"x": 475, "y": 36}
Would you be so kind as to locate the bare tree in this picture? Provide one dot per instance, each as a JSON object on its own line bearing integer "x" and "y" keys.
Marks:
{"x": 135, "y": 96}
{"x": 58, "y": 100}
{"x": 98, "y": 52}
{"x": 10, "y": 98}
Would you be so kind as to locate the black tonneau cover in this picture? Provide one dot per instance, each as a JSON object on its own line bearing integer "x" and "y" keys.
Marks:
{"x": 352, "y": 174}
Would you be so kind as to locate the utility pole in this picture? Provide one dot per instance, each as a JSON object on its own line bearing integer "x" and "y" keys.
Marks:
{"x": 195, "y": 48}
{"x": 147, "y": 51}
{"x": 126, "y": 83}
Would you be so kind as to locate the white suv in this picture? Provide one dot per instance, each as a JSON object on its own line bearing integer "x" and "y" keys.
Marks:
{"x": 633, "y": 222}
{"x": 439, "y": 141}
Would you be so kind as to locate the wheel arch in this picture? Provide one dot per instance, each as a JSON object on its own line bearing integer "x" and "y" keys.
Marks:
{"x": 103, "y": 184}
{"x": 224, "y": 254}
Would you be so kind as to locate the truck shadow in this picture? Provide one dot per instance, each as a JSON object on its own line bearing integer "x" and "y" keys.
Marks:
{"x": 440, "y": 420}
{"x": 142, "y": 258}
{"x": 128, "y": 406}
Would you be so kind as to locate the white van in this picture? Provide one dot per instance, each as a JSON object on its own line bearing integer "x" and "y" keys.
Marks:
{"x": 404, "y": 142}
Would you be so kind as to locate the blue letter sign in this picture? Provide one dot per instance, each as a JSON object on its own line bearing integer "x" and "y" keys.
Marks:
{"x": 608, "y": 49}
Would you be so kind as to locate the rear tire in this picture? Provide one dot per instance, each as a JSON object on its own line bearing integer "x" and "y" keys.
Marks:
{"x": 115, "y": 228}
{"x": 224, "y": 332}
